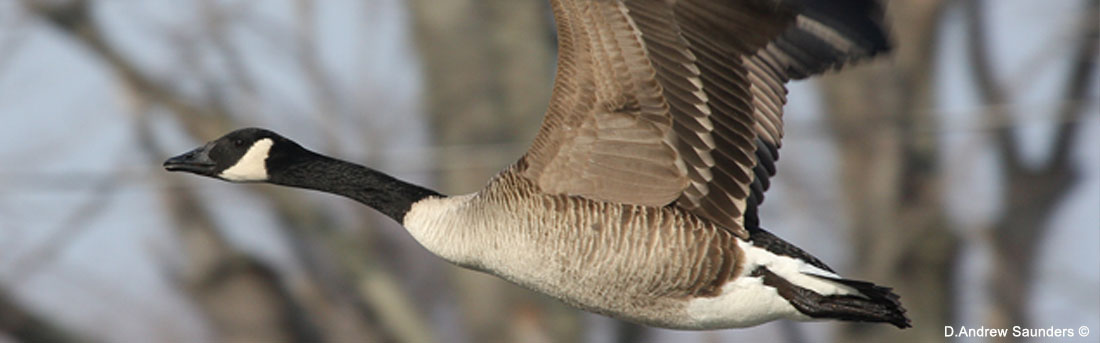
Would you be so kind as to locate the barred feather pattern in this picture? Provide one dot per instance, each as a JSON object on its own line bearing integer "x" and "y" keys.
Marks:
{"x": 635, "y": 262}
{"x": 660, "y": 102}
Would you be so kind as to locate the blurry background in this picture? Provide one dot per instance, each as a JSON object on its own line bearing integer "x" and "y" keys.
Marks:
{"x": 963, "y": 169}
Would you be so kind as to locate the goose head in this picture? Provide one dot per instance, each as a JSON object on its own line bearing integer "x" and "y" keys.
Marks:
{"x": 258, "y": 155}
{"x": 245, "y": 155}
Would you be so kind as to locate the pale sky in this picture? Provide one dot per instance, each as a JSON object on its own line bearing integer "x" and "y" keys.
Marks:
{"x": 69, "y": 127}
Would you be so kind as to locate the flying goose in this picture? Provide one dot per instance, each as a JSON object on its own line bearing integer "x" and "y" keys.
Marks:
{"x": 638, "y": 197}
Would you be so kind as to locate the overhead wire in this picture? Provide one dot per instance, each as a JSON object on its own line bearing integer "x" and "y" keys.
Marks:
{"x": 490, "y": 156}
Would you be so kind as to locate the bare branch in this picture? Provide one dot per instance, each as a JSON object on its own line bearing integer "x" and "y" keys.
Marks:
{"x": 23, "y": 325}
{"x": 70, "y": 228}
{"x": 892, "y": 178}
{"x": 326, "y": 97}
{"x": 1081, "y": 75}
{"x": 12, "y": 37}
{"x": 326, "y": 296}
{"x": 73, "y": 18}
{"x": 989, "y": 88}
{"x": 216, "y": 18}
{"x": 1031, "y": 194}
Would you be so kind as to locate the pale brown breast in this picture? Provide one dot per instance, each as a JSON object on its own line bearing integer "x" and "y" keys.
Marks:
{"x": 633, "y": 261}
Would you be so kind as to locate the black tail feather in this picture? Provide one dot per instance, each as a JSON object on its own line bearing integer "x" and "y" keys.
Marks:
{"x": 880, "y": 304}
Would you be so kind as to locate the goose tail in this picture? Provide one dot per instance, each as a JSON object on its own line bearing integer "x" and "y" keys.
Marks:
{"x": 813, "y": 289}
{"x": 873, "y": 303}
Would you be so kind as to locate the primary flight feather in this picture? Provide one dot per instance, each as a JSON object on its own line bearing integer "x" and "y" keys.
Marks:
{"x": 638, "y": 196}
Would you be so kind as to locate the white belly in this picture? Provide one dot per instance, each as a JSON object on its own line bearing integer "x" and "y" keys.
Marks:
{"x": 628, "y": 272}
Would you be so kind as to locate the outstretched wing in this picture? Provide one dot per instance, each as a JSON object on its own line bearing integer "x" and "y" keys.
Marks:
{"x": 680, "y": 101}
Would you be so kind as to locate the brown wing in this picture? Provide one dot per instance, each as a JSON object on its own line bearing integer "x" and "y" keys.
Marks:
{"x": 662, "y": 101}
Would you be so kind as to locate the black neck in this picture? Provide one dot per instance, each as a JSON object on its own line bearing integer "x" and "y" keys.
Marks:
{"x": 382, "y": 192}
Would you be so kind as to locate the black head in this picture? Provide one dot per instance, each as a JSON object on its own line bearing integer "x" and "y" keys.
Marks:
{"x": 245, "y": 155}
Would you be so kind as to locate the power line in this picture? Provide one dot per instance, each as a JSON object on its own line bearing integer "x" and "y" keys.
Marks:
{"x": 488, "y": 156}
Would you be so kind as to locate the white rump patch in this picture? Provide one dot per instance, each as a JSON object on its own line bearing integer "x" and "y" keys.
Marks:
{"x": 794, "y": 270}
{"x": 251, "y": 166}
{"x": 746, "y": 301}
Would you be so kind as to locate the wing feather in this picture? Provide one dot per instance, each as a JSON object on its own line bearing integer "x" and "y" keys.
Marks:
{"x": 660, "y": 102}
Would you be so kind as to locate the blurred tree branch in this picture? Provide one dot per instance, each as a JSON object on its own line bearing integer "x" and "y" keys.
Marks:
{"x": 1032, "y": 191}
{"x": 26, "y": 326}
{"x": 326, "y": 298}
{"x": 68, "y": 230}
{"x": 10, "y": 42}
{"x": 892, "y": 176}
{"x": 72, "y": 17}
{"x": 206, "y": 248}
{"x": 487, "y": 66}
{"x": 243, "y": 299}
{"x": 328, "y": 100}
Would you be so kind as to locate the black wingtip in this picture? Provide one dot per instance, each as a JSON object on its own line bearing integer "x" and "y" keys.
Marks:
{"x": 878, "y": 305}
{"x": 833, "y": 33}
{"x": 861, "y": 21}
{"x": 890, "y": 302}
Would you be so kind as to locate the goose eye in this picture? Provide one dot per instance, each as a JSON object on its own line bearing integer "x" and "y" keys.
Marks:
{"x": 238, "y": 142}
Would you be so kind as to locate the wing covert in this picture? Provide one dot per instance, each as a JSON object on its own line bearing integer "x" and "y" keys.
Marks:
{"x": 660, "y": 102}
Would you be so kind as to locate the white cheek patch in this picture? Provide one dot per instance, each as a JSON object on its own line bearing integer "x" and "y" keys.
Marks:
{"x": 251, "y": 166}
